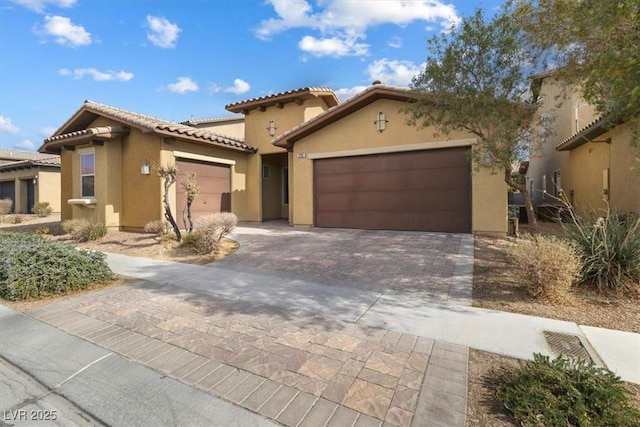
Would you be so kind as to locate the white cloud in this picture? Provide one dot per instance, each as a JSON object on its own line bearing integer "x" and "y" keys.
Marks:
{"x": 346, "y": 93}
{"x": 47, "y": 131}
{"x": 162, "y": 32}
{"x": 332, "y": 46}
{"x": 347, "y": 21}
{"x": 393, "y": 72}
{"x": 183, "y": 85}
{"x": 395, "y": 42}
{"x": 40, "y": 5}
{"x": 99, "y": 76}
{"x": 26, "y": 145}
{"x": 239, "y": 87}
{"x": 7, "y": 126}
{"x": 65, "y": 32}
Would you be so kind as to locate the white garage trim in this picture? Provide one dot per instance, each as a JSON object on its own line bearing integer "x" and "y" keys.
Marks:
{"x": 395, "y": 148}
{"x": 203, "y": 158}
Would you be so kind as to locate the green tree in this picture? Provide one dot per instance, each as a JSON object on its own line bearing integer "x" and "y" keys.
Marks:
{"x": 476, "y": 79}
{"x": 595, "y": 45}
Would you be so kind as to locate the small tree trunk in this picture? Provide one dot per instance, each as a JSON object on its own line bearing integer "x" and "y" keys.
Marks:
{"x": 168, "y": 181}
{"x": 528, "y": 204}
{"x": 189, "y": 219}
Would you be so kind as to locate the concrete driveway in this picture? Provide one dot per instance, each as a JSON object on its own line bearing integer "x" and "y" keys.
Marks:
{"x": 432, "y": 266}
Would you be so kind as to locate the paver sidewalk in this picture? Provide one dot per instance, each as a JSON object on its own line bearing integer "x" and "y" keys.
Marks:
{"x": 288, "y": 365}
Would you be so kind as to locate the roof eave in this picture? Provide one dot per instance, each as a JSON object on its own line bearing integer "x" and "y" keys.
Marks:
{"x": 329, "y": 98}
{"x": 582, "y": 137}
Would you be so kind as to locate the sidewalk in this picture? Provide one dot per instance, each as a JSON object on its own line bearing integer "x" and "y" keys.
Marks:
{"x": 72, "y": 382}
{"x": 505, "y": 333}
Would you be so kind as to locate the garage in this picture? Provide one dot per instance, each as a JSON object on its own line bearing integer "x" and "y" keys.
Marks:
{"x": 427, "y": 190}
{"x": 215, "y": 188}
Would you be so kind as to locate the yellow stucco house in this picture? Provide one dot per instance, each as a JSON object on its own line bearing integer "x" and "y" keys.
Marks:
{"x": 29, "y": 178}
{"x": 299, "y": 155}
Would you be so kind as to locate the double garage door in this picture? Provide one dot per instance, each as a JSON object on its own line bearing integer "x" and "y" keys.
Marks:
{"x": 215, "y": 188}
{"x": 418, "y": 190}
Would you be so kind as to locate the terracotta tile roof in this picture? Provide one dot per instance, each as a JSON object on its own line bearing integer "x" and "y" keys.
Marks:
{"x": 14, "y": 155}
{"x": 45, "y": 160}
{"x": 288, "y": 96}
{"x": 231, "y": 118}
{"x": 590, "y": 131}
{"x": 143, "y": 122}
{"x": 367, "y": 96}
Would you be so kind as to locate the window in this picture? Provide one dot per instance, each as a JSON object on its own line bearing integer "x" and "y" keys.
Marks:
{"x": 285, "y": 186}
{"x": 87, "y": 175}
{"x": 266, "y": 172}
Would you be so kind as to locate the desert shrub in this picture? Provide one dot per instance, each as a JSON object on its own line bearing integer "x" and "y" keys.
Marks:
{"x": 83, "y": 230}
{"x": 204, "y": 241}
{"x": 565, "y": 392}
{"x": 188, "y": 239}
{"x": 218, "y": 224}
{"x": 32, "y": 266}
{"x": 42, "y": 230}
{"x": 5, "y": 206}
{"x": 14, "y": 219}
{"x": 42, "y": 209}
{"x": 157, "y": 227}
{"x": 609, "y": 248}
{"x": 545, "y": 265}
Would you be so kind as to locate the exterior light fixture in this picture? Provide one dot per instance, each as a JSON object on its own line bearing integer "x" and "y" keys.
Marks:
{"x": 487, "y": 160}
{"x": 381, "y": 122}
{"x": 272, "y": 128}
{"x": 145, "y": 169}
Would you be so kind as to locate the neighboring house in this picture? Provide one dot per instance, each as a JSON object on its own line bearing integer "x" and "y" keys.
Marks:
{"x": 28, "y": 178}
{"x": 304, "y": 157}
{"x": 604, "y": 169}
{"x": 232, "y": 126}
{"x": 573, "y": 158}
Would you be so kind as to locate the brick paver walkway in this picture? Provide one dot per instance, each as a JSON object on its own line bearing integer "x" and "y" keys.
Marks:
{"x": 293, "y": 367}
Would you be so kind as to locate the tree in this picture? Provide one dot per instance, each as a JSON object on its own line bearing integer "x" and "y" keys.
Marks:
{"x": 168, "y": 174}
{"x": 476, "y": 79}
{"x": 595, "y": 46}
{"x": 191, "y": 190}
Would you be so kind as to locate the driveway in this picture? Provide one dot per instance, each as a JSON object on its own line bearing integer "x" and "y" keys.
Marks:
{"x": 432, "y": 266}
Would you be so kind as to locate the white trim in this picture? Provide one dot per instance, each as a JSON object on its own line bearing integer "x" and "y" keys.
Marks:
{"x": 395, "y": 148}
{"x": 88, "y": 202}
{"x": 203, "y": 158}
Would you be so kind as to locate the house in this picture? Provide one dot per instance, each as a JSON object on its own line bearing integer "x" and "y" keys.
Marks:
{"x": 575, "y": 159}
{"x": 29, "y": 178}
{"x": 304, "y": 157}
{"x": 604, "y": 169}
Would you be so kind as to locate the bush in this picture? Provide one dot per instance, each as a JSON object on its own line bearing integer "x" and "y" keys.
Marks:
{"x": 82, "y": 230}
{"x": 609, "y": 248}
{"x": 32, "y": 266}
{"x": 546, "y": 265}
{"x": 204, "y": 241}
{"x": 218, "y": 224}
{"x": 157, "y": 227}
{"x": 5, "y": 206}
{"x": 565, "y": 392}
{"x": 42, "y": 209}
{"x": 14, "y": 219}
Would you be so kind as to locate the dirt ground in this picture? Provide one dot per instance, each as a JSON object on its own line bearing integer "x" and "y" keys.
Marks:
{"x": 494, "y": 287}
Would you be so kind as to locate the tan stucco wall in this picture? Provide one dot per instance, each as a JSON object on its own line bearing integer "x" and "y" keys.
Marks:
{"x": 67, "y": 169}
{"x": 356, "y": 134}
{"x": 588, "y": 164}
{"x": 48, "y": 188}
{"x": 233, "y": 130}
{"x": 45, "y": 189}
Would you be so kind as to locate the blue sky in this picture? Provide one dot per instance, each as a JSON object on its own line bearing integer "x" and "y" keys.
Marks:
{"x": 178, "y": 59}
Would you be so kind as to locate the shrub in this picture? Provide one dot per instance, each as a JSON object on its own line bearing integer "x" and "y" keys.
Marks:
{"x": 5, "y": 206}
{"x": 42, "y": 209}
{"x": 546, "y": 265}
{"x": 609, "y": 248}
{"x": 83, "y": 230}
{"x": 204, "y": 241}
{"x": 14, "y": 219}
{"x": 157, "y": 227}
{"x": 32, "y": 266}
{"x": 218, "y": 224}
{"x": 565, "y": 392}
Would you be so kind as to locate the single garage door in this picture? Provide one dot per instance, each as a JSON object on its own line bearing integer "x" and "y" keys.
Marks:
{"x": 8, "y": 191}
{"x": 419, "y": 190}
{"x": 215, "y": 188}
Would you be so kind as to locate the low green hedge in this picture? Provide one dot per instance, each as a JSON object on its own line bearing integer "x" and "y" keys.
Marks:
{"x": 32, "y": 266}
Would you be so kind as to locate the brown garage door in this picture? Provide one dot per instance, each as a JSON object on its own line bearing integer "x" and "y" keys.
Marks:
{"x": 215, "y": 184}
{"x": 418, "y": 190}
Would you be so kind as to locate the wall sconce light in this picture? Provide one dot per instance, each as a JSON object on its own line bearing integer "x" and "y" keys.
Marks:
{"x": 35, "y": 180}
{"x": 381, "y": 123}
{"x": 272, "y": 128}
{"x": 145, "y": 169}
{"x": 487, "y": 160}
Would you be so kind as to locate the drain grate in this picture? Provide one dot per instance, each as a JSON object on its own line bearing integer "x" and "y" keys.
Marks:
{"x": 566, "y": 345}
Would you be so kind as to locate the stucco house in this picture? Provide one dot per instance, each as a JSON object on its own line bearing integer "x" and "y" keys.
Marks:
{"x": 592, "y": 164}
{"x": 29, "y": 178}
{"x": 299, "y": 155}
